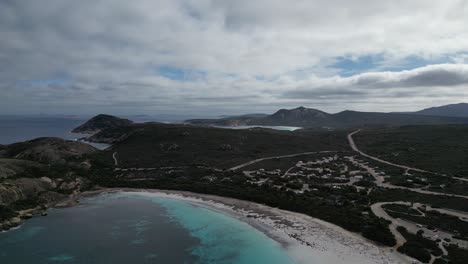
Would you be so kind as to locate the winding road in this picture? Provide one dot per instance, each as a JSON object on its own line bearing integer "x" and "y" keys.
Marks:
{"x": 355, "y": 148}
{"x": 410, "y": 226}
{"x": 379, "y": 178}
{"x": 114, "y": 156}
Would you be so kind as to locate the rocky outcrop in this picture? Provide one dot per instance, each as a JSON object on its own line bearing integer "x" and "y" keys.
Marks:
{"x": 100, "y": 123}
{"x": 48, "y": 150}
{"x": 23, "y": 198}
{"x": 23, "y": 188}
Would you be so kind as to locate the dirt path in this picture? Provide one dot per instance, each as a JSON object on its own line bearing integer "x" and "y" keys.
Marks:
{"x": 414, "y": 227}
{"x": 380, "y": 212}
{"x": 355, "y": 148}
{"x": 379, "y": 179}
{"x": 277, "y": 157}
{"x": 114, "y": 156}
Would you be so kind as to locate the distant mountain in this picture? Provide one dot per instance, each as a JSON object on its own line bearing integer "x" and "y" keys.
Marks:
{"x": 254, "y": 115}
{"x": 313, "y": 118}
{"x": 101, "y": 122}
{"x": 457, "y": 110}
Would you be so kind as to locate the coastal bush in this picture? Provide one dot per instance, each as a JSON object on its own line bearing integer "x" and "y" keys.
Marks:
{"x": 436, "y": 148}
{"x": 6, "y": 213}
{"x": 415, "y": 250}
{"x": 25, "y": 204}
{"x": 418, "y": 247}
{"x": 379, "y": 232}
{"x": 457, "y": 255}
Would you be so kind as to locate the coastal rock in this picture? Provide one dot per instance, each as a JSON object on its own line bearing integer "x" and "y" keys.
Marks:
{"x": 21, "y": 189}
{"x": 13, "y": 222}
{"x": 49, "y": 181}
{"x": 70, "y": 186}
{"x": 27, "y": 216}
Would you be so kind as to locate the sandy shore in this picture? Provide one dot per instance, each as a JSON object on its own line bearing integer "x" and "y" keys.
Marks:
{"x": 307, "y": 239}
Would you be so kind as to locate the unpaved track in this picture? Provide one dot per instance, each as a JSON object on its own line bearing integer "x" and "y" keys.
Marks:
{"x": 380, "y": 180}
{"x": 355, "y": 148}
{"x": 114, "y": 156}
{"x": 278, "y": 157}
{"x": 380, "y": 212}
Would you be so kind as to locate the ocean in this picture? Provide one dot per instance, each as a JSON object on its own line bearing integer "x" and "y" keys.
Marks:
{"x": 127, "y": 227}
{"x": 21, "y": 128}
{"x": 130, "y": 227}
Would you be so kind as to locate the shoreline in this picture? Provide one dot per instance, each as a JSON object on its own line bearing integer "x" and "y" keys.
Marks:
{"x": 305, "y": 239}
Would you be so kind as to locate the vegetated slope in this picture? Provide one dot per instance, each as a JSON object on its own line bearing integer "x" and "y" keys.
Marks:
{"x": 312, "y": 118}
{"x": 47, "y": 150}
{"x": 13, "y": 167}
{"x": 457, "y": 110}
{"x": 101, "y": 122}
{"x": 154, "y": 145}
{"x": 442, "y": 149}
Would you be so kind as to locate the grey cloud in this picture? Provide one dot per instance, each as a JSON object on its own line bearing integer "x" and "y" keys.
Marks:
{"x": 411, "y": 83}
{"x": 323, "y": 93}
{"x": 428, "y": 76}
{"x": 111, "y": 50}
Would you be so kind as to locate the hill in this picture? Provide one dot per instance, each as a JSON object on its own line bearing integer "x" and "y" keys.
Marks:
{"x": 101, "y": 122}
{"x": 313, "y": 118}
{"x": 47, "y": 150}
{"x": 456, "y": 110}
{"x": 157, "y": 145}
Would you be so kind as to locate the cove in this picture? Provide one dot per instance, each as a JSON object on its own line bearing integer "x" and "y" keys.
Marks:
{"x": 138, "y": 227}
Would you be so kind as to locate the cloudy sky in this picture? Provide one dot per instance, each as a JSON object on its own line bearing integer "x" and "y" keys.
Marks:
{"x": 224, "y": 57}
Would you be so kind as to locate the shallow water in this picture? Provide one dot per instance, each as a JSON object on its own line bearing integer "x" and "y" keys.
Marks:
{"x": 138, "y": 228}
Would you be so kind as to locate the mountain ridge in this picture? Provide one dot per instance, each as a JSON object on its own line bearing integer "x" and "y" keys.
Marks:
{"x": 455, "y": 110}
{"x": 314, "y": 118}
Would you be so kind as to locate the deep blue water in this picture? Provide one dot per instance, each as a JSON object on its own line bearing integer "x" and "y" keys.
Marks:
{"x": 138, "y": 228}
{"x": 20, "y": 128}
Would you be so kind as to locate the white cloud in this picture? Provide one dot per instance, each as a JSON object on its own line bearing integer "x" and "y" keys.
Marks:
{"x": 111, "y": 50}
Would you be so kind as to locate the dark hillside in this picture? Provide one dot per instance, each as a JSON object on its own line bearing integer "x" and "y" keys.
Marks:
{"x": 441, "y": 149}
{"x": 155, "y": 145}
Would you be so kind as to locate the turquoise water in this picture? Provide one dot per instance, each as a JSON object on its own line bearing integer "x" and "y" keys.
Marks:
{"x": 138, "y": 228}
{"x": 223, "y": 239}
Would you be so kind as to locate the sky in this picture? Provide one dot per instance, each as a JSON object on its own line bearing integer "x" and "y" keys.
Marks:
{"x": 211, "y": 57}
